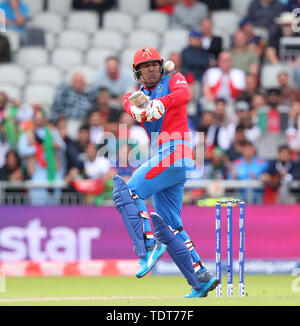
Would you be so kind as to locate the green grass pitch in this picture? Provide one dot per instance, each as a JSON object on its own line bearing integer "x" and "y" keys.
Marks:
{"x": 262, "y": 290}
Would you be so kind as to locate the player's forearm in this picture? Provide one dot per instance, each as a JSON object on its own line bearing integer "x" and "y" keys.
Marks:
{"x": 127, "y": 104}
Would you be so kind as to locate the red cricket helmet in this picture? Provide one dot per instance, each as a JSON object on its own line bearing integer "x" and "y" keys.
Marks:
{"x": 145, "y": 54}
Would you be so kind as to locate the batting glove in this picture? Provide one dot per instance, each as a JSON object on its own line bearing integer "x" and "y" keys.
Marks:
{"x": 138, "y": 114}
{"x": 156, "y": 110}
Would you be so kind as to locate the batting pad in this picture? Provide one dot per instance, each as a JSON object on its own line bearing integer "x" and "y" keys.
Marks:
{"x": 130, "y": 214}
{"x": 177, "y": 250}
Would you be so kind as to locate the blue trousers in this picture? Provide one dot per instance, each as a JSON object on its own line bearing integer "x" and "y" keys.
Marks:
{"x": 163, "y": 177}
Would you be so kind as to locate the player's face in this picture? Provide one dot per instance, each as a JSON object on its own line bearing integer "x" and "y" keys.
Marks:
{"x": 150, "y": 73}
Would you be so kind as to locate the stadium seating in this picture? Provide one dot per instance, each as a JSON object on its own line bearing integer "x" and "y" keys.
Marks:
{"x": 50, "y": 39}
{"x": 85, "y": 20}
{"x": 225, "y": 20}
{"x": 73, "y": 38}
{"x": 175, "y": 38}
{"x": 165, "y": 51}
{"x": 240, "y": 7}
{"x": 12, "y": 73}
{"x": 108, "y": 39}
{"x": 62, "y": 7}
{"x": 29, "y": 57}
{"x": 65, "y": 58}
{"x": 11, "y": 90}
{"x": 14, "y": 40}
{"x": 34, "y": 6}
{"x": 116, "y": 20}
{"x": 46, "y": 74}
{"x": 49, "y": 21}
{"x": 140, "y": 38}
{"x": 86, "y": 70}
{"x": 226, "y": 37}
{"x": 97, "y": 57}
{"x": 153, "y": 20}
{"x": 269, "y": 74}
{"x": 135, "y": 7}
{"x": 126, "y": 57}
{"x": 40, "y": 93}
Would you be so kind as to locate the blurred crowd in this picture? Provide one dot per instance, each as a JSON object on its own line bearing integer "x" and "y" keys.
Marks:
{"x": 249, "y": 132}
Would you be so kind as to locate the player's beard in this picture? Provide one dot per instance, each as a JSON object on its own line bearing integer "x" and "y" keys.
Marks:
{"x": 151, "y": 79}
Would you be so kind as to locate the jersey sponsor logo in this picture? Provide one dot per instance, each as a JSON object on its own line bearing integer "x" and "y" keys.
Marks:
{"x": 181, "y": 81}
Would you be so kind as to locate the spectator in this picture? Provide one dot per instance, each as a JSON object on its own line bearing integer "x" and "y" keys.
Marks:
{"x": 177, "y": 59}
{"x": 273, "y": 118}
{"x": 109, "y": 114}
{"x": 4, "y": 145}
{"x": 195, "y": 60}
{"x": 255, "y": 42}
{"x": 4, "y": 148}
{"x": 263, "y": 12}
{"x": 210, "y": 42}
{"x": 244, "y": 58}
{"x": 188, "y": 14}
{"x": 285, "y": 88}
{"x": 251, "y": 88}
{"x": 165, "y": 6}
{"x": 42, "y": 149}
{"x": 12, "y": 170}
{"x": 284, "y": 28}
{"x": 71, "y": 153}
{"x": 220, "y": 133}
{"x": 96, "y": 127}
{"x": 251, "y": 130}
{"x": 73, "y": 101}
{"x": 100, "y": 6}
{"x": 75, "y": 154}
{"x": 98, "y": 168}
{"x": 9, "y": 124}
{"x": 16, "y": 13}
{"x": 95, "y": 166}
{"x": 118, "y": 81}
{"x": 257, "y": 101}
{"x": 249, "y": 167}
{"x": 5, "y": 55}
{"x": 223, "y": 81}
{"x": 280, "y": 173}
{"x": 135, "y": 135}
{"x": 242, "y": 109}
{"x": 293, "y": 131}
{"x": 3, "y": 105}
{"x": 217, "y": 4}
{"x": 236, "y": 149}
{"x": 292, "y": 4}
{"x": 216, "y": 168}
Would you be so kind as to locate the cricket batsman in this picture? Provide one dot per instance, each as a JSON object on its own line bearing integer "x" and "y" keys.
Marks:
{"x": 160, "y": 107}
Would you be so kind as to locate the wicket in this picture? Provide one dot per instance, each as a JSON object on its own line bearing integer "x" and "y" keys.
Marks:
{"x": 229, "y": 204}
